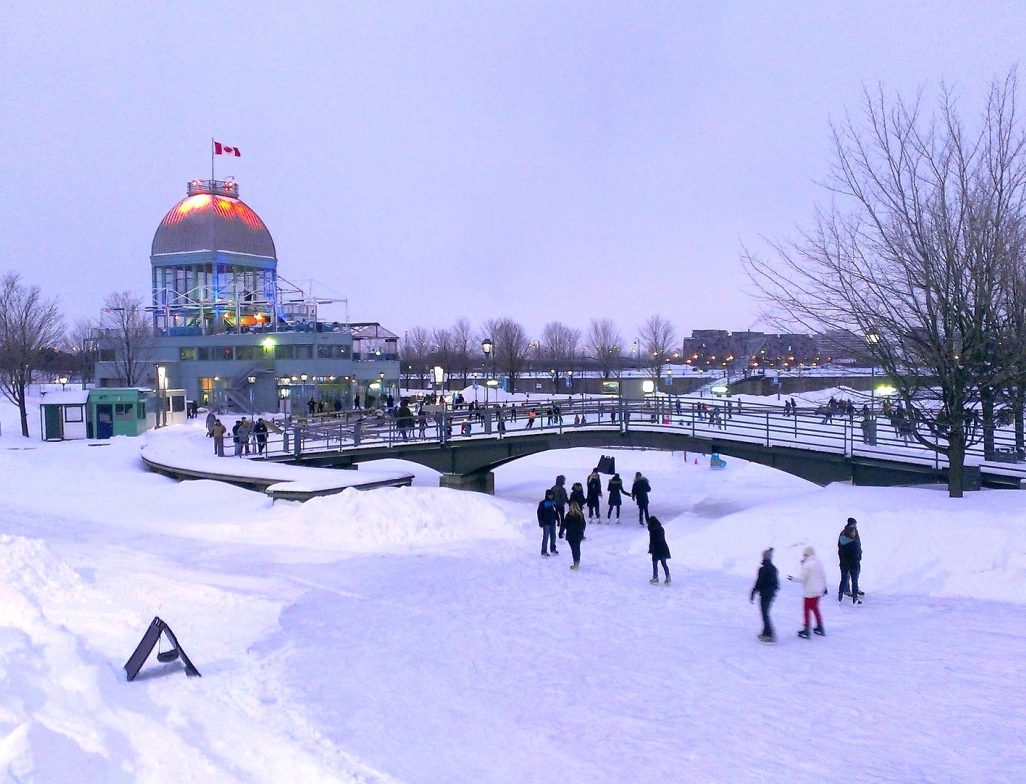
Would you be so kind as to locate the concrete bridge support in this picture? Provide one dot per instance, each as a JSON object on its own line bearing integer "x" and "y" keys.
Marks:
{"x": 478, "y": 482}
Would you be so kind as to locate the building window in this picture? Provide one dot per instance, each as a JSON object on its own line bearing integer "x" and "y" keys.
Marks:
{"x": 225, "y": 352}
{"x": 74, "y": 413}
{"x": 188, "y": 354}
{"x": 330, "y": 351}
{"x": 304, "y": 352}
{"x": 249, "y": 352}
{"x": 284, "y": 352}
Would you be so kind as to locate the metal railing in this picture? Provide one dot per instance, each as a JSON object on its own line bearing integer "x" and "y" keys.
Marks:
{"x": 702, "y": 418}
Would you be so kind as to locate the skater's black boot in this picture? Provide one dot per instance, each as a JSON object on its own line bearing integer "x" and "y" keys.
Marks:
{"x": 818, "y": 630}
{"x": 804, "y": 633}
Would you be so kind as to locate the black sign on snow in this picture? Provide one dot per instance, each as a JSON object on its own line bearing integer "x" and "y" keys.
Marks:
{"x": 145, "y": 647}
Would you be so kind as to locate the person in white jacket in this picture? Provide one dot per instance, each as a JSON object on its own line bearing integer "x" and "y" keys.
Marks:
{"x": 813, "y": 578}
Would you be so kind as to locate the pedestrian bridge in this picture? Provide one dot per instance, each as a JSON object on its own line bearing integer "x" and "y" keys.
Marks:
{"x": 466, "y": 446}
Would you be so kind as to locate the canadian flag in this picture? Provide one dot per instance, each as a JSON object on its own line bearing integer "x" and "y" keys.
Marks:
{"x": 220, "y": 149}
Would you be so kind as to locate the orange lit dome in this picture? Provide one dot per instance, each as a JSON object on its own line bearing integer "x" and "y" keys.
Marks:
{"x": 212, "y": 218}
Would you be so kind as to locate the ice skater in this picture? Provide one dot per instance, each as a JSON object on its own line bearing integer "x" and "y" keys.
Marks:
{"x": 594, "y": 495}
{"x": 814, "y": 580}
{"x": 658, "y": 549}
{"x": 639, "y": 492}
{"x": 614, "y": 488}
{"x": 573, "y": 527}
{"x": 766, "y": 585}
{"x": 849, "y": 554}
{"x": 547, "y": 522}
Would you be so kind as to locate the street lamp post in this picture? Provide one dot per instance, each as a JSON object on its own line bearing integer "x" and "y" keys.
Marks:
{"x": 487, "y": 346}
{"x": 62, "y": 380}
{"x": 872, "y": 338}
{"x": 438, "y": 374}
{"x": 161, "y": 396}
{"x": 251, "y": 380}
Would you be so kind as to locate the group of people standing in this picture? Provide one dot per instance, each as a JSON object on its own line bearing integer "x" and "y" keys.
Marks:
{"x": 243, "y": 431}
{"x": 639, "y": 493}
{"x": 813, "y": 580}
{"x": 567, "y": 511}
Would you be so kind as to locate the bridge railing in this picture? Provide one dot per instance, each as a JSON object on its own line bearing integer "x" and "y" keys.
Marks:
{"x": 707, "y": 419}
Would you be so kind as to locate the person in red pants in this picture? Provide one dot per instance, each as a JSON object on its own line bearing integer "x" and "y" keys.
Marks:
{"x": 814, "y": 580}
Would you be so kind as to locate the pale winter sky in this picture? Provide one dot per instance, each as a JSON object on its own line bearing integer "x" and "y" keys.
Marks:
{"x": 434, "y": 160}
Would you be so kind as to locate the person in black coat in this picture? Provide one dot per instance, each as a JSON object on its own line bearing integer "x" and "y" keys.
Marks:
{"x": 639, "y": 492}
{"x": 594, "y": 494}
{"x": 658, "y": 549}
{"x": 766, "y": 585}
{"x": 573, "y": 526}
{"x": 615, "y": 488}
{"x": 260, "y": 429}
{"x": 577, "y": 497}
{"x": 849, "y": 553}
{"x": 560, "y": 498}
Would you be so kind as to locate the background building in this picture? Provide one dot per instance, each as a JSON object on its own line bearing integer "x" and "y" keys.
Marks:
{"x": 232, "y": 332}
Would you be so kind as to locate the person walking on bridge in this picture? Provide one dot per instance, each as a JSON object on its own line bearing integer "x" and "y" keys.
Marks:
{"x": 639, "y": 492}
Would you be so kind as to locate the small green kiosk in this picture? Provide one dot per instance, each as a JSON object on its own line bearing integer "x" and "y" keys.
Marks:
{"x": 115, "y": 411}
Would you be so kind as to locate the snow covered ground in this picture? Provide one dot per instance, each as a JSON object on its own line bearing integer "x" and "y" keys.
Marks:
{"x": 416, "y": 635}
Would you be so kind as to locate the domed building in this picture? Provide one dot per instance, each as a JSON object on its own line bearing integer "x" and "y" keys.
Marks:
{"x": 234, "y": 335}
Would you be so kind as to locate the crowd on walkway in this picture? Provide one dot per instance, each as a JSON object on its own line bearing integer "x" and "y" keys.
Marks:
{"x": 249, "y": 437}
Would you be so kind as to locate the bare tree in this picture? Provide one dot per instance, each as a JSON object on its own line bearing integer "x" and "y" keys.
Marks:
{"x": 415, "y": 350}
{"x": 658, "y": 339}
{"x": 128, "y": 331}
{"x": 442, "y": 347}
{"x": 509, "y": 346}
{"x": 1011, "y": 346}
{"x": 462, "y": 339}
{"x": 559, "y": 345}
{"x": 29, "y": 327}
{"x": 909, "y": 255}
{"x": 605, "y": 341}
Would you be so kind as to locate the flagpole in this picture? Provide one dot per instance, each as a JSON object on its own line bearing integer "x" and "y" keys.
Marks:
{"x": 211, "y": 161}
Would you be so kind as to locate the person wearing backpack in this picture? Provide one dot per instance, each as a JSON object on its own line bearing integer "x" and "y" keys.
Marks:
{"x": 547, "y": 522}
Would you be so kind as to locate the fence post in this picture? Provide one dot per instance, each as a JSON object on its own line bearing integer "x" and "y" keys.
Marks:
{"x": 297, "y": 441}
{"x": 767, "y": 429}
{"x": 357, "y": 432}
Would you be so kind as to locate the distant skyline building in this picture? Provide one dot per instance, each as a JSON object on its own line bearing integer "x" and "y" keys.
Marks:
{"x": 233, "y": 333}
